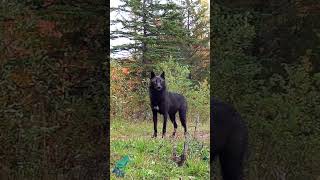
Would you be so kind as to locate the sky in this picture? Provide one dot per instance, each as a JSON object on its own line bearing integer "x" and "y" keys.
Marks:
{"x": 118, "y": 41}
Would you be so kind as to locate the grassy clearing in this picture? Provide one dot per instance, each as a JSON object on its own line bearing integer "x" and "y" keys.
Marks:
{"x": 151, "y": 158}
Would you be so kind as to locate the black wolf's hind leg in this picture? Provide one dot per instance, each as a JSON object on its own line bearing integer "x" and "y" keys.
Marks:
{"x": 173, "y": 120}
{"x": 183, "y": 119}
{"x": 164, "y": 129}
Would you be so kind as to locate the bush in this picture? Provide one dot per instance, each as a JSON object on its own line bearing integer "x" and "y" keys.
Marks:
{"x": 281, "y": 107}
{"x": 197, "y": 93}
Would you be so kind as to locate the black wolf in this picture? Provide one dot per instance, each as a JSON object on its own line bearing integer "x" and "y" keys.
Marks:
{"x": 229, "y": 139}
{"x": 167, "y": 104}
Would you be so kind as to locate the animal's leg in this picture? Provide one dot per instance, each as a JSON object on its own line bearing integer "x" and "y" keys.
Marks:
{"x": 233, "y": 156}
{"x": 165, "y": 118}
{"x": 183, "y": 119}
{"x": 231, "y": 166}
{"x": 155, "y": 123}
{"x": 213, "y": 165}
{"x": 173, "y": 120}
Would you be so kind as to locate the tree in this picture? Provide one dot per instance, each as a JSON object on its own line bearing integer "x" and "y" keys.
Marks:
{"x": 156, "y": 28}
{"x": 197, "y": 52}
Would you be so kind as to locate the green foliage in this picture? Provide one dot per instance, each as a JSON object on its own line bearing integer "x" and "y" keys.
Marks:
{"x": 279, "y": 101}
{"x": 233, "y": 71}
{"x": 197, "y": 93}
{"x": 176, "y": 75}
{"x": 52, "y": 96}
{"x": 198, "y": 99}
{"x": 287, "y": 123}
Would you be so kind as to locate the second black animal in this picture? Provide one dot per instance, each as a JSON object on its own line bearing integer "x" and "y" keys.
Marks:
{"x": 166, "y": 103}
{"x": 229, "y": 139}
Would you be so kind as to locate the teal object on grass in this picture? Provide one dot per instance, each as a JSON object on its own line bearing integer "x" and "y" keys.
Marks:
{"x": 120, "y": 165}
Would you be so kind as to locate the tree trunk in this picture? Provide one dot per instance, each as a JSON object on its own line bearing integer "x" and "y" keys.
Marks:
{"x": 144, "y": 21}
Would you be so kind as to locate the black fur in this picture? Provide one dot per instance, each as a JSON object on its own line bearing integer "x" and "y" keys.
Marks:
{"x": 229, "y": 139}
{"x": 167, "y": 104}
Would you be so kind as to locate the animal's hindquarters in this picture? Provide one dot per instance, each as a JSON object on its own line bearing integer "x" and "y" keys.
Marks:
{"x": 229, "y": 140}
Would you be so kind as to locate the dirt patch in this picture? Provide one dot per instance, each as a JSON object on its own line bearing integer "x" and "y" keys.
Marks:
{"x": 203, "y": 136}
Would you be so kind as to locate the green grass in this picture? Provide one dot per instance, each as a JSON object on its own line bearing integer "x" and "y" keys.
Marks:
{"x": 151, "y": 158}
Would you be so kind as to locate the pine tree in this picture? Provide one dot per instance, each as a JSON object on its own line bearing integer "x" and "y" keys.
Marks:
{"x": 197, "y": 52}
{"x": 157, "y": 29}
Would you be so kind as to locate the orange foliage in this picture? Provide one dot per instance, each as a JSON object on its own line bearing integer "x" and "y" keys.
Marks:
{"x": 22, "y": 78}
{"x": 11, "y": 41}
{"x": 113, "y": 74}
{"x": 125, "y": 71}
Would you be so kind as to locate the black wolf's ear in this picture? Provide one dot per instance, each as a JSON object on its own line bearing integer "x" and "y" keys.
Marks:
{"x": 152, "y": 75}
{"x": 162, "y": 75}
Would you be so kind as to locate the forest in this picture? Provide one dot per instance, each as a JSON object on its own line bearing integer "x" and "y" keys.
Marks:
{"x": 265, "y": 61}
{"x": 53, "y": 93}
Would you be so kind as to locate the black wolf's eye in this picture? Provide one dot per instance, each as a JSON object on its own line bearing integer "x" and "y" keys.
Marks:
{"x": 154, "y": 82}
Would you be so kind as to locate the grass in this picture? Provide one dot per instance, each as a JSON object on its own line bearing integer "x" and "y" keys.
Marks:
{"x": 151, "y": 158}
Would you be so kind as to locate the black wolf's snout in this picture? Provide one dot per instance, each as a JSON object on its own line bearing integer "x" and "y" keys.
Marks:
{"x": 158, "y": 87}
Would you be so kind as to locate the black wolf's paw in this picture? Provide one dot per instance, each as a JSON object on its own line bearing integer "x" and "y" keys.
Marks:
{"x": 154, "y": 136}
{"x": 173, "y": 135}
{"x": 186, "y": 134}
{"x": 164, "y": 135}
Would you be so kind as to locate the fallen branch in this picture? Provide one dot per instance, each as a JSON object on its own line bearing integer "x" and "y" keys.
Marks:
{"x": 183, "y": 157}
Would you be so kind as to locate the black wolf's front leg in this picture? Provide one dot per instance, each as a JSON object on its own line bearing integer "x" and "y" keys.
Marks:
{"x": 165, "y": 118}
{"x": 155, "y": 123}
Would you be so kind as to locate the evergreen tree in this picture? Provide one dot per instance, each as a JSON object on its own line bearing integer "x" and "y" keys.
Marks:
{"x": 156, "y": 28}
{"x": 197, "y": 52}
{"x": 163, "y": 29}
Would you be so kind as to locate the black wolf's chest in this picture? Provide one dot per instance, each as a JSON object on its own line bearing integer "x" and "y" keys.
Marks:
{"x": 158, "y": 101}
{"x": 159, "y": 108}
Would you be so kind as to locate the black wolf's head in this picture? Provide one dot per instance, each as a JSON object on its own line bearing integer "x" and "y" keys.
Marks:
{"x": 157, "y": 82}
